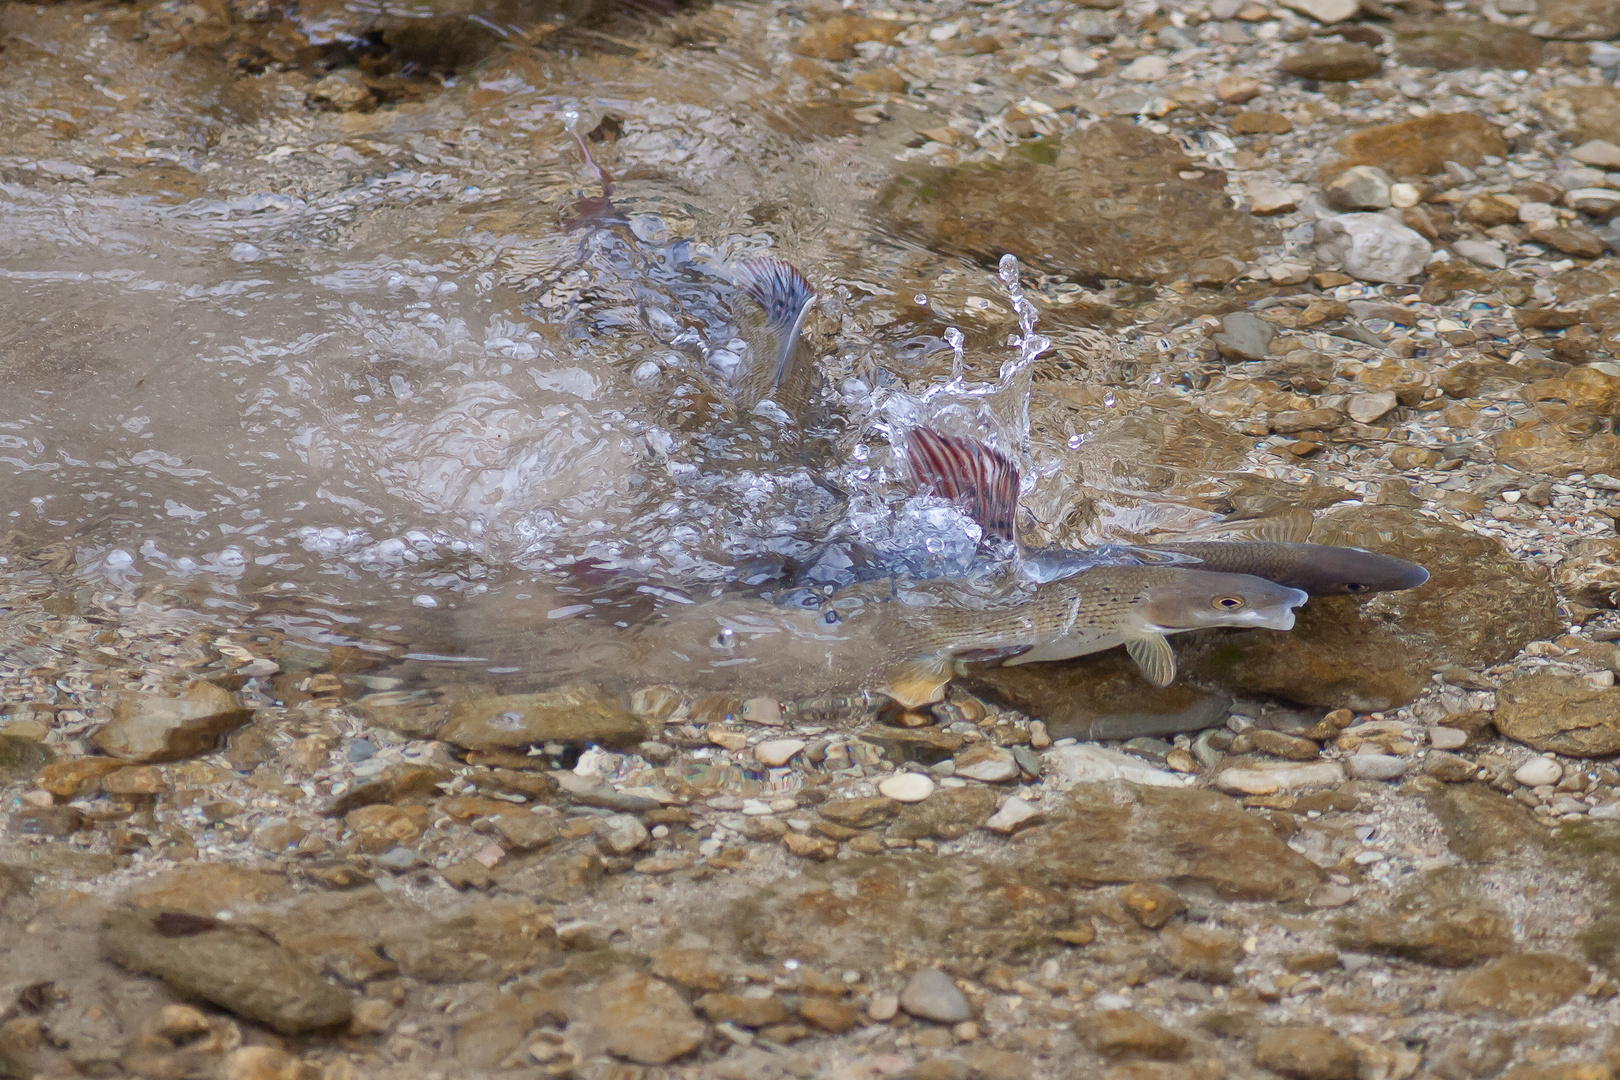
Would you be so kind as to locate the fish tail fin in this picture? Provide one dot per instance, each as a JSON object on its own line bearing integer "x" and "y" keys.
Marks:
{"x": 1154, "y": 657}
{"x": 981, "y": 480}
{"x": 920, "y": 680}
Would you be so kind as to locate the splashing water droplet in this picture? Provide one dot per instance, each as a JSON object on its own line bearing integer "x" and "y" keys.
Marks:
{"x": 921, "y": 299}
{"x": 954, "y": 338}
{"x": 1075, "y": 441}
{"x": 1109, "y": 401}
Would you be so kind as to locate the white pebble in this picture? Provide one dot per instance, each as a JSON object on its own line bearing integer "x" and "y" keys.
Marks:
{"x": 777, "y": 751}
{"x": 1539, "y": 771}
{"x": 1447, "y": 738}
{"x": 1376, "y": 766}
{"x": 1013, "y": 813}
{"x": 907, "y": 787}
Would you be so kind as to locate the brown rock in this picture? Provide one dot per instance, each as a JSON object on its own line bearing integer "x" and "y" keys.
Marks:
{"x": 1488, "y": 211}
{"x": 1454, "y": 44}
{"x": 1577, "y": 20}
{"x": 1306, "y": 1053}
{"x": 69, "y": 779}
{"x": 1479, "y": 606}
{"x": 1560, "y": 712}
{"x": 484, "y": 1040}
{"x": 639, "y": 1018}
{"x": 265, "y": 1063}
{"x": 397, "y": 784}
{"x": 1543, "y": 448}
{"x": 1122, "y": 833}
{"x": 747, "y": 1011}
{"x": 1583, "y": 113}
{"x": 1124, "y": 1032}
{"x": 1250, "y": 122}
{"x": 809, "y": 847}
{"x": 488, "y": 939}
{"x": 828, "y": 1014}
{"x": 1483, "y": 825}
{"x": 858, "y": 813}
{"x": 350, "y": 957}
{"x": 1332, "y": 61}
{"x": 234, "y": 967}
{"x": 1419, "y": 147}
{"x": 1116, "y": 201}
{"x": 157, "y": 727}
{"x": 208, "y": 889}
{"x": 575, "y": 714}
{"x": 929, "y": 745}
{"x": 947, "y": 814}
{"x": 1433, "y": 922}
{"x": 383, "y": 828}
{"x": 1152, "y": 904}
{"x": 1524, "y": 985}
{"x": 1289, "y": 747}
{"x": 1575, "y": 240}
{"x": 1448, "y": 768}
{"x": 1589, "y": 575}
{"x": 1100, "y": 697}
{"x": 135, "y": 780}
{"x": 1205, "y": 953}
{"x": 836, "y": 38}
{"x": 695, "y": 969}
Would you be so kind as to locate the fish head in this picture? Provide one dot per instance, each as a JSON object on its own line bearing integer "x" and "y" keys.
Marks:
{"x": 1348, "y": 571}
{"x": 1192, "y": 599}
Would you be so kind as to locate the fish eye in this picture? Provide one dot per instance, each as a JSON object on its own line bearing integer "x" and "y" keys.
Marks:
{"x": 1354, "y": 587}
{"x": 1228, "y": 602}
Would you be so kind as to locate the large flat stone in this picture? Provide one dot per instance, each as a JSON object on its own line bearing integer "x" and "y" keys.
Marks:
{"x": 1120, "y": 832}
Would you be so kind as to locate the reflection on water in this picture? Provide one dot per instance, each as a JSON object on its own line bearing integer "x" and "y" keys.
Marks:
{"x": 406, "y": 381}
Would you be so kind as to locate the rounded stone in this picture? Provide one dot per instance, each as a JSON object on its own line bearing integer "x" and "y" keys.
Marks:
{"x": 1376, "y": 766}
{"x": 776, "y": 752}
{"x": 931, "y": 995}
{"x": 907, "y": 787}
{"x": 1538, "y": 771}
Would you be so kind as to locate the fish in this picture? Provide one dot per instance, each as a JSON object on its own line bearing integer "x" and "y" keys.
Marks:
{"x": 1098, "y": 609}
{"x": 985, "y": 483}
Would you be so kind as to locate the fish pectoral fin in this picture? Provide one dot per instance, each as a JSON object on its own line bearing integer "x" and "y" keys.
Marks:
{"x": 921, "y": 680}
{"x": 1154, "y": 656}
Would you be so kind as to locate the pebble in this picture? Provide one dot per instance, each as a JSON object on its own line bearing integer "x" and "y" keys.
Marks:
{"x": 1089, "y": 763}
{"x": 1360, "y": 187}
{"x": 1485, "y": 254}
{"x": 1147, "y": 69}
{"x": 621, "y": 833}
{"x": 1267, "y": 779}
{"x": 988, "y": 763}
{"x": 1598, "y": 152}
{"x": 1447, "y": 738}
{"x": 884, "y": 1006}
{"x": 931, "y": 995}
{"x": 1370, "y": 247}
{"x": 1539, "y": 771}
{"x": 1376, "y": 766}
{"x": 775, "y": 752}
{"x": 1013, "y": 814}
{"x": 1324, "y": 11}
{"x": 906, "y": 787}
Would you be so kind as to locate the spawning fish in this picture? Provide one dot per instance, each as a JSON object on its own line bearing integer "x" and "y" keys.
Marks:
{"x": 1134, "y": 606}
{"x": 985, "y": 483}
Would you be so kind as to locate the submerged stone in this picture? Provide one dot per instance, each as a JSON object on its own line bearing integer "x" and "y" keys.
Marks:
{"x": 157, "y": 727}
{"x": 1114, "y": 200}
{"x": 235, "y": 967}
{"x": 1419, "y": 147}
{"x": 1101, "y": 697}
{"x": 1577, "y": 20}
{"x": 637, "y": 1017}
{"x": 576, "y": 714}
{"x": 1332, "y": 61}
{"x": 1433, "y": 921}
{"x": 1454, "y": 44}
{"x": 1480, "y": 606}
{"x": 1523, "y": 986}
{"x": 1582, "y": 113}
{"x": 1483, "y": 825}
{"x": 1119, "y": 832}
{"x": 1560, "y": 712}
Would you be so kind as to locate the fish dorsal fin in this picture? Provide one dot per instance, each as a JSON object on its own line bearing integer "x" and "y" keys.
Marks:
{"x": 1292, "y": 526}
{"x": 920, "y": 680}
{"x": 1155, "y": 657}
{"x": 982, "y": 481}
{"x": 785, "y": 296}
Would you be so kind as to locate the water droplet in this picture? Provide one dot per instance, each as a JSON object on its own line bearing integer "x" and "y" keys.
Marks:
{"x": 1109, "y": 401}
{"x": 920, "y": 298}
{"x": 725, "y": 638}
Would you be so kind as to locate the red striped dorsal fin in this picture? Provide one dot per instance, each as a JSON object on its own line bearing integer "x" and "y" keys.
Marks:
{"x": 980, "y": 480}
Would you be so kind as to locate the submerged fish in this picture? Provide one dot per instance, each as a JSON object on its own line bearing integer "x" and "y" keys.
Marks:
{"x": 985, "y": 483}
{"x": 1089, "y": 612}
